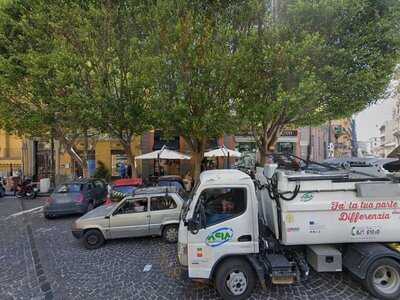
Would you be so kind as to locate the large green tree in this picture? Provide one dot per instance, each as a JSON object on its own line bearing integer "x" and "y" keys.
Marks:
{"x": 120, "y": 55}
{"x": 43, "y": 76}
{"x": 306, "y": 62}
{"x": 194, "y": 50}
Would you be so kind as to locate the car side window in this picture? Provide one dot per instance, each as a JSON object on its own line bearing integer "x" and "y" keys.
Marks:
{"x": 162, "y": 203}
{"x": 221, "y": 204}
{"x": 136, "y": 205}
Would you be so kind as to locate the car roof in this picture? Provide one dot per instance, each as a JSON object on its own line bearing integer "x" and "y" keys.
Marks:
{"x": 78, "y": 181}
{"x": 170, "y": 178}
{"x": 128, "y": 181}
{"x": 156, "y": 190}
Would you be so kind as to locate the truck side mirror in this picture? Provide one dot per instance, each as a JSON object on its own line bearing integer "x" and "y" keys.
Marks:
{"x": 269, "y": 170}
{"x": 193, "y": 226}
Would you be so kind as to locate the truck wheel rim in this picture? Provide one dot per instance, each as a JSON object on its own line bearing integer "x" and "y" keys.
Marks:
{"x": 236, "y": 283}
{"x": 386, "y": 279}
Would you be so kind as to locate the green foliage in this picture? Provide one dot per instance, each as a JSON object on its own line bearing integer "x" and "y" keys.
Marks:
{"x": 313, "y": 61}
{"x": 194, "y": 68}
{"x": 102, "y": 172}
{"x": 193, "y": 75}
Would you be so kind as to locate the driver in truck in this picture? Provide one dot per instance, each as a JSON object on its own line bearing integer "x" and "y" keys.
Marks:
{"x": 226, "y": 211}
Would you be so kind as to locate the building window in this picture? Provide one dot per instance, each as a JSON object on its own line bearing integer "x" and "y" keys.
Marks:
{"x": 286, "y": 147}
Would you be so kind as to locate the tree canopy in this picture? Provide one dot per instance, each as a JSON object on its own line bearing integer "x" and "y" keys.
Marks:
{"x": 198, "y": 69}
{"x": 313, "y": 61}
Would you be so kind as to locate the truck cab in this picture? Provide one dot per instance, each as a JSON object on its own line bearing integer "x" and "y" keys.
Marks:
{"x": 235, "y": 230}
{"x": 218, "y": 224}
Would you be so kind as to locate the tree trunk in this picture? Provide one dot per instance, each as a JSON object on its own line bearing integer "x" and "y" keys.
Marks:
{"x": 86, "y": 154}
{"x": 198, "y": 158}
{"x": 69, "y": 147}
{"x": 53, "y": 164}
{"x": 131, "y": 157}
{"x": 268, "y": 140}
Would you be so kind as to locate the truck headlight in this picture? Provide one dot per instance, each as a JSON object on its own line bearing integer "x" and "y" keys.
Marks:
{"x": 183, "y": 254}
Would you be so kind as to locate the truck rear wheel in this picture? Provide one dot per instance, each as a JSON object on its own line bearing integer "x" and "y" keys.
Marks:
{"x": 235, "y": 279}
{"x": 383, "y": 279}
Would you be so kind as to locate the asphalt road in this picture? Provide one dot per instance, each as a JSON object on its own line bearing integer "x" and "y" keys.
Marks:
{"x": 40, "y": 259}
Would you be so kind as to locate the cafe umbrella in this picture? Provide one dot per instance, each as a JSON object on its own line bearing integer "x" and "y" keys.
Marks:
{"x": 164, "y": 153}
{"x": 223, "y": 152}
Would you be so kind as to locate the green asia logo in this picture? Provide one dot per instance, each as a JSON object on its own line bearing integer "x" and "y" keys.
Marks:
{"x": 307, "y": 197}
{"x": 219, "y": 237}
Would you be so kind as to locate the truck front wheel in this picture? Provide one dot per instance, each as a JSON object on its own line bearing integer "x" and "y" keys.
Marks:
{"x": 383, "y": 279}
{"x": 235, "y": 279}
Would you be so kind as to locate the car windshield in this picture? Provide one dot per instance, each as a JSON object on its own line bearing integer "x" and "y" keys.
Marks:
{"x": 187, "y": 203}
{"x": 125, "y": 189}
{"x": 69, "y": 188}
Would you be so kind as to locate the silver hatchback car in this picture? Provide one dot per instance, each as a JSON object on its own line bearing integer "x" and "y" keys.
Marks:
{"x": 150, "y": 211}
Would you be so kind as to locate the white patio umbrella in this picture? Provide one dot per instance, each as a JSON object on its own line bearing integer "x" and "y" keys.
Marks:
{"x": 164, "y": 153}
{"x": 223, "y": 152}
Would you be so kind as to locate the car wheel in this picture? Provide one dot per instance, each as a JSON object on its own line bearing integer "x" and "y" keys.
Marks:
{"x": 170, "y": 233}
{"x": 235, "y": 279}
{"x": 93, "y": 239}
{"x": 47, "y": 216}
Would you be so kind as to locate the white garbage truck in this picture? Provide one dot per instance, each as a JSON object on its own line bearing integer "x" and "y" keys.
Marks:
{"x": 237, "y": 230}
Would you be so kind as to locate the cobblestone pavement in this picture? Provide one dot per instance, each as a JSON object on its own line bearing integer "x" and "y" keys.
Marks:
{"x": 40, "y": 259}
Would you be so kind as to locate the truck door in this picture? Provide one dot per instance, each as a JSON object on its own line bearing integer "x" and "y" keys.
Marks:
{"x": 228, "y": 228}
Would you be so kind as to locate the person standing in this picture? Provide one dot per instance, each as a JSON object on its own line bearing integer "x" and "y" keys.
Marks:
{"x": 122, "y": 170}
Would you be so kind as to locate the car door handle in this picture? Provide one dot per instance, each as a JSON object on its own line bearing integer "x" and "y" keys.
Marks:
{"x": 244, "y": 238}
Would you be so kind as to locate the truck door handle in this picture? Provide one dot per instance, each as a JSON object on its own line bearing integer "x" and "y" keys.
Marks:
{"x": 244, "y": 238}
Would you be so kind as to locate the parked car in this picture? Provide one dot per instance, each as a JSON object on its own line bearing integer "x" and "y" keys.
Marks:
{"x": 150, "y": 211}
{"x": 76, "y": 197}
{"x": 124, "y": 186}
{"x": 171, "y": 180}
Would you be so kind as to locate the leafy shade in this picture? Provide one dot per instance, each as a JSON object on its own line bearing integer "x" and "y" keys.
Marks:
{"x": 313, "y": 61}
{"x": 192, "y": 77}
{"x": 42, "y": 72}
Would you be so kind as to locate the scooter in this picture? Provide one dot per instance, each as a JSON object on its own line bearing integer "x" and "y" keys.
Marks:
{"x": 26, "y": 190}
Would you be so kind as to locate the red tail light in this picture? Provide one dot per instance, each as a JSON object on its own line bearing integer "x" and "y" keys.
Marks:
{"x": 79, "y": 199}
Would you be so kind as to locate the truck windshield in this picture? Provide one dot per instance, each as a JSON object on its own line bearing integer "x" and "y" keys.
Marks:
{"x": 187, "y": 203}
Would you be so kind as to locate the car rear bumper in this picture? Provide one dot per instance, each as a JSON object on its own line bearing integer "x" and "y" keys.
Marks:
{"x": 55, "y": 211}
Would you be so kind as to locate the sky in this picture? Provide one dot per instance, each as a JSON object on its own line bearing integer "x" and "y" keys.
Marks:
{"x": 369, "y": 120}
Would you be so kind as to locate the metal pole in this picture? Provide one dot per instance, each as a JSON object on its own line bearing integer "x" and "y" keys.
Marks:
{"x": 309, "y": 148}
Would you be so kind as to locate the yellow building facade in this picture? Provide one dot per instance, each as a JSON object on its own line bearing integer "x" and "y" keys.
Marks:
{"x": 11, "y": 154}
{"x": 108, "y": 151}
